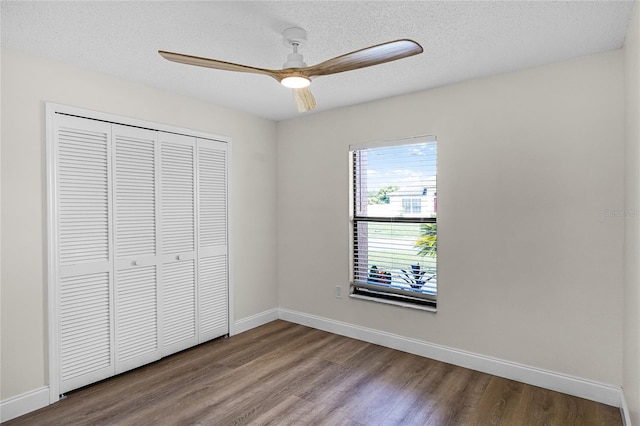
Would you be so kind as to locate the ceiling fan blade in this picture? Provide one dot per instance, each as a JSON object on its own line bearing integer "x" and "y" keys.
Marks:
{"x": 305, "y": 101}
{"x": 216, "y": 64}
{"x": 374, "y": 55}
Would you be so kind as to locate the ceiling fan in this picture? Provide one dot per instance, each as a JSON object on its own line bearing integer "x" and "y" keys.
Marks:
{"x": 297, "y": 75}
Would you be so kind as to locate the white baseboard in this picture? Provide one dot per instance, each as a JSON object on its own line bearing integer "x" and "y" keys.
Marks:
{"x": 24, "y": 403}
{"x": 624, "y": 410}
{"x": 575, "y": 386}
{"x": 33, "y": 400}
{"x": 245, "y": 324}
{"x": 606, "y": 394}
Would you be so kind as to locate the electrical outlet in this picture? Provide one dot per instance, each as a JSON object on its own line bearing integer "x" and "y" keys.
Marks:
{"x": 338, "y": 292}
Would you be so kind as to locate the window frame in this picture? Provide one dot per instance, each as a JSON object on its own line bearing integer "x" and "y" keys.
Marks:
{"x": 373, "y": 292}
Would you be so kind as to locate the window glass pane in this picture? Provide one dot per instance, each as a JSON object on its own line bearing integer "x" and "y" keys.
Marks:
{"x": 416, "y": 205}
{"x": 406, "y": 205}
{"x": 394, "y": 228}
{"x": 400, "y": 255}
{"x": 395, "y": 181}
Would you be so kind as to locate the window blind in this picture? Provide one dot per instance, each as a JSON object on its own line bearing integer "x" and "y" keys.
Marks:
{"x": 394, "y": 210}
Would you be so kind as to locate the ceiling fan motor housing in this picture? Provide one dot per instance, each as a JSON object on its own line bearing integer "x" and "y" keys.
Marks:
{"x": 294, "y": 37}
{"x": 294, "y": 60}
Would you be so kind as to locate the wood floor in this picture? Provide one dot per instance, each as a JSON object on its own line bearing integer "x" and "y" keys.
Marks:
{"x": 287, "y": 374}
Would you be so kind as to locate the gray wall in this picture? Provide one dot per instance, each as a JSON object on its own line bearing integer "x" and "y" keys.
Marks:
{"x": 631, "y": 366}
{"x": 27, "y": 82}
{"x": 530, "y": 263}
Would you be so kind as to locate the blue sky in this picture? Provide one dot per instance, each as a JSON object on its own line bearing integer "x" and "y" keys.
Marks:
{"x": 385, "y": 166}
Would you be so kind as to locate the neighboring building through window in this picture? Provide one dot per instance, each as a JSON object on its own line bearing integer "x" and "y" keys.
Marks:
{"x": 394, "y": 228}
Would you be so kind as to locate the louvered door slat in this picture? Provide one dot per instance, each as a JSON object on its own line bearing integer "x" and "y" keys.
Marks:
{"x": 135, "y": 180}
{"x": 82, "y": 161}
{"x": 179, "y": 295}
{"x": 213, "y": 196}
{"x": 212, "y": 239}
{"x": 84, "y": 253}
{"x": 178, "y": 197}
{"x": 85, "y": 326}
{"x": 136, "y": 313}
{"x": 136, "y": 246}
{"x": 179, "y": 286}
{"x": 213, "y": 296}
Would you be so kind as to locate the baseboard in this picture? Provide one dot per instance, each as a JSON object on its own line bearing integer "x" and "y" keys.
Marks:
{"x": 606, "y": 394}
{"x": 245, "y": 324}
{"x": 24, "y": 403}
{"x": 624, "y": 410}
{"x": 582, "y": 388}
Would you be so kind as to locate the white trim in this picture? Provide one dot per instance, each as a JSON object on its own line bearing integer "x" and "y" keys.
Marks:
{"x": 394, "y": 302}
{"x": 392, "y": 142}
{"x": 230, "y": 236}
{"x": 253, "y": 321}
{"x": 24, "y": 403}
{"x": 52, "y": 247}
{"x": 583, "y": 388}
{"x": 624, "y": 410}
{"x": 135, "y": 122}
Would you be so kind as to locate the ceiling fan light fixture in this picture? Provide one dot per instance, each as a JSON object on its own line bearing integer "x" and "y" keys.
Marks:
{"x": 295, "y": 73}
{"x": 295, "y": 82}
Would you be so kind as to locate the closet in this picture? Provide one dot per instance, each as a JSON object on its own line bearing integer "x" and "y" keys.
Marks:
{"x": 138, "y": 245}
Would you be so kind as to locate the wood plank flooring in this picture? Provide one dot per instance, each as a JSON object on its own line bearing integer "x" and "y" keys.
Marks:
{"x": 288, "y": 374}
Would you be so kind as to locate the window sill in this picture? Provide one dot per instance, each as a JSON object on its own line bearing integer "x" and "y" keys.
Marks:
{"x": 394, "y": 302}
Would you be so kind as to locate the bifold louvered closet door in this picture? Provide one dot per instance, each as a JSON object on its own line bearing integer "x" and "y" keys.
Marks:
{"x": 212, "y": 233}
{"x": 177, "y": 153}
{"x": 139, "y": 222}
{"x": 137, "y": 269}
{"x": 84, "y": 252}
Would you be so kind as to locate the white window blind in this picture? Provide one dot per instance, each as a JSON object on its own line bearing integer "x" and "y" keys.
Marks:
{"x": 394, "y": 209}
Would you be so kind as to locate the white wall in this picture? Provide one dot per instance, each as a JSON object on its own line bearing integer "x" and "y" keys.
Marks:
{"x": 27, "y": 82}
{"x": 530, "y": 264}
{"x": 631, "y": 367}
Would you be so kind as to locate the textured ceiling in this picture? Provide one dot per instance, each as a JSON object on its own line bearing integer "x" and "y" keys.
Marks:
{"x": 462, "y": 40}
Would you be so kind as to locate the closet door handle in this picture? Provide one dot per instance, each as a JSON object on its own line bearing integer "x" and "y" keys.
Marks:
{"x": 136, "y": 262}
{"x": 179, "y": 257}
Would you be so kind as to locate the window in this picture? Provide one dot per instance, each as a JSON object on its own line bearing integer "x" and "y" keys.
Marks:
{"x": 411, "y": 205}
{"x": 393, "y": 222}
